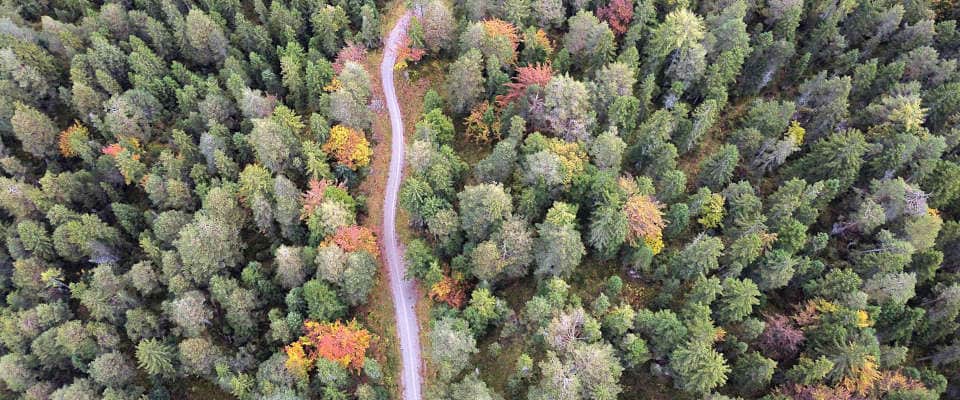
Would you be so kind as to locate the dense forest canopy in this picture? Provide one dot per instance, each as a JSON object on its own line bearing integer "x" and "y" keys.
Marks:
{"x": 603, "y": 198}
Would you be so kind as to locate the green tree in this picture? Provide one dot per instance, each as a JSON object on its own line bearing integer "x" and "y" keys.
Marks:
{"x": 738, "y": 299}
{"x": 464, "y": 83}
{"x": 349, "y": 104}
{"x": 717, "y": 169}
{"x": 155, "y": 357}
{"x": 451, "y": 346}
{"x": 662, "y": 330}
{"x": 698, "y": 367}
{"x": 482, "y": 208}
{"x": 207, "y": 246}
{"x": 838, "y": 156}
{"x": 698, "y": 257}
{"x": 36, "y": 132}
{"x": 559, "y": 243}
{"x": 202, "y": 39}
{"x": 589, "y": 41}
{"x": 190, "y": 313}
{"x": 568, "y": 110}
{"x": 322, "y": 301}
{"x": 752, "y": 372}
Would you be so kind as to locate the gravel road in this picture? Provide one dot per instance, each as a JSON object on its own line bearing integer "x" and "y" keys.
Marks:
{"x": 404, "y": 291}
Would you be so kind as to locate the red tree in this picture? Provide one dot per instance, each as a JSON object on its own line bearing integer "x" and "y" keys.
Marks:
{"x": 780, "y": 339}
{"x": 353, "y": 238}
{"x": 539, "y": 75}
{"x": 352, "y": 52}
{"x": 313, "y": 197}
{"x": 618, "y": 14}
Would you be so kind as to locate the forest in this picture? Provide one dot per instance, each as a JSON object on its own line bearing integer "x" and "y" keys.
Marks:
{"x": 601, "y": 199}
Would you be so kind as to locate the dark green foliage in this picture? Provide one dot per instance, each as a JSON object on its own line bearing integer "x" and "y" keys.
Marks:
{"x": 171, "y": 214}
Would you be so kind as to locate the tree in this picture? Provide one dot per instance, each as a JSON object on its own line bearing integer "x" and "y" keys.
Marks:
{"x": 717, "y": 169}
{"x": 548, "y": 12}
{"x": 823, "y": 104}
{"x": 609, "y": 229}
{"x": 358, "y": 278}
{"x": 698, "y": 257}
{"x": 272, "y": 142}
{"x": 349, "y": 147}
{"x": 202, "y": 39}
{"x": 645, "y": 221}
{"x": 508, "y": 253}
{"x": 589, "y": 371}
{"x": 438, "y": 26}
{"x": 370, "y": 26}
{"x": 739, "y": 297}
{"x": 104, "y": 295}
{"x": 349, "y": 103}
{"x": 343, "y": 344}
{"x": 618, "y": 14}
{"x": 662, "y": 330}
{"x": 752, "y": 372}
{"x": 290, "y": 266}
{"x": 36, "y": 131}
{"x": 607, "y": 151}
{"x": 500, "y": 164}
{"x": 838, "y": 156}
{"x": 198, "y": 356}
{"x": 482, "y": 310}
{"x": 775, "y": 270}
{"x": 16, "y": 372}
{"x": 471, "y": 387}
{"x": 155, "y": 357}
{"x": 322, "y": 302}
{"x": 780, "y": 339}
{"x": 559, "y": 242}
{"x": 465, "y": 82}
{"x": 567, "y": 108}
{"x": 922, "y": 230}
{"x": 451, "y": 345}
{"x": 482, "y": 208}
{"x": 589, "y": 41}
{"x": 79, "y": 389}
{"x": 190, "y": 313}
{"x": 207, "y": 246}
{"x": 699, "y": 367}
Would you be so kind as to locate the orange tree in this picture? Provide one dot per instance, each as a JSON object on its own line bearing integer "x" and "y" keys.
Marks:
{"x": 353, "y": 238}
{"x": 349, "y": 147}
{"x": 345, "y": 344}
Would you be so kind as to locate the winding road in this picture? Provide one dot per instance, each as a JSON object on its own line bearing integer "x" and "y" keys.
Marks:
{"x": 404, "y": 291}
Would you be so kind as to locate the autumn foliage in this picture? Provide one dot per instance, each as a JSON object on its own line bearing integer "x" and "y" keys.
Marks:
{"x": 407, "y": 52}
{"x": 353, "y": 52}
{"x": 539, "y": 75}
{"x": 313, "y": 197}
{"x": 617, "y": 14}
{"x": 498, "y": 28}
{"x": 72, "y": 137}
{"x": 644, "y": 219}
{"x": 881, "y": 383}
{"x": 345, "y": 344}
{"x": 353, "y": 238}
{"x": 780, "y": 339}
{"x": 112, "y": 150}
{"x": 450, "y": 290}
{"x": 482, "y": 125}
{"x": 349, "y": 147}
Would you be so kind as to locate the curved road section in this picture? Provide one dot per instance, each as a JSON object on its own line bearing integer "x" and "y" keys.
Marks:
{"x": 404, "y": 292}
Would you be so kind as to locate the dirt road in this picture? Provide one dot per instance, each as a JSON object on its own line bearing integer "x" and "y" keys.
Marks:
{"x": 404, "y": 291}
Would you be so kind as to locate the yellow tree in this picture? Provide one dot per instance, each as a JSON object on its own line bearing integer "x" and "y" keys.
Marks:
{"x": 349, "y": 147}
